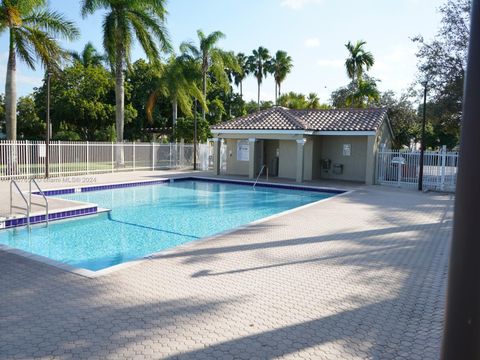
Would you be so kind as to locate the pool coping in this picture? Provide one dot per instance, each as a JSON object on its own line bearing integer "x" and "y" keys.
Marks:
{"x": 156, "y": 255}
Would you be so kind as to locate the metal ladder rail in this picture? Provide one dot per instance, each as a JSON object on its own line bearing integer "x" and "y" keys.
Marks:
{"x": 260, "y": 173}
{"x": 41, "y": 193}
{"x": 14, "y": 183}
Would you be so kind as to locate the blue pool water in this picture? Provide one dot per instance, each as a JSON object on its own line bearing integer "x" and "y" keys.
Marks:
{"x": 147, "y": 219}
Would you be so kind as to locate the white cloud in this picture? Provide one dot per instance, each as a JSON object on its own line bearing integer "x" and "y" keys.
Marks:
{"x": 24, "y": 82}
{"x": 395, "y": 68}
{"x": 298, "y": 4}
{"x": 333, "y": 63}
{"x": 312, "y": 42}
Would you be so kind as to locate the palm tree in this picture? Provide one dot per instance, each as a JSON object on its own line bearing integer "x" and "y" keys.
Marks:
{"x": 313, "y": 101}
{"x": 358, "y": 60}
{"x": 365, "y": 94}
{"x": 212, "y": 59}
{"x": 178, "y": 82}
{"x": 32, "y": 31}
{"x": 89, "y": 56}
{"x": 258, "y": 65}
{"x": 123, "y": 22}
{"x": 240, "y": 75}
{"x": 280, "y": 66}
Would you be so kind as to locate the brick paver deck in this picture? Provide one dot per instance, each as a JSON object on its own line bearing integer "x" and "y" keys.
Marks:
{"x": 361, "y": 276}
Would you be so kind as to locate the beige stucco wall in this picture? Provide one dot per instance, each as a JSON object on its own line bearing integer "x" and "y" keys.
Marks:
{"x": 234, "y": 166}
{"x": 287, "y": 167}
{"x": 316, "y": 157}
{"x": 331, "y": 147}
{"x": 308, "y": 158}
{"x": 383, "y": 136}
{"x": 360, "y": 166}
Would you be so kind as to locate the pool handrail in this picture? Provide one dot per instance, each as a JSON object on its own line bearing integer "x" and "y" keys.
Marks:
{"x": 41, "y": 193}
{"x": 14, "y": 183}
{"x": 260, "y": 173}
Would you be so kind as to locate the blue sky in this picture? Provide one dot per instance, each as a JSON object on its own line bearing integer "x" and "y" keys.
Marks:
{"x": 313, "y": 32}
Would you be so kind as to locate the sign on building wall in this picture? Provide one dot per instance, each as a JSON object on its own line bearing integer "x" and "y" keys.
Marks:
{"x": 347, "y": 149}
{"x": 243, "y": 150}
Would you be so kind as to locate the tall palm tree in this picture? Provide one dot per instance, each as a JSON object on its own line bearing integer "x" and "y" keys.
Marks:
{"x": 124, "y": 21}
{"x": 178, "y": 82}
{"x": 33, "y": 30}
{"x": 280, "y": 66}
{"x": 88, "y": 56}
{"x": 212, "y": 59}
{"x": 240, "y": 75}
{"x": 358, "y": 59}
{"x": 258, "y": 65}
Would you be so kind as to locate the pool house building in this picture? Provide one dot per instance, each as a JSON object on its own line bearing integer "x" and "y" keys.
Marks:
{"x": 304, "y": 145}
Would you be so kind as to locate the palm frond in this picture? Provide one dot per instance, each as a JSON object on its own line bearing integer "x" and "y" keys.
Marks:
{"x": 109, "y": 37}
{"x": 46, "y": 49}
{"x": 52, "y": 23}
{"x": 187, "y": 47}
{"x": 24, "y": 48}
{"x": 90, "y": 6}
{"x": 143, "y": 36}
{"x": 153, "y": 25}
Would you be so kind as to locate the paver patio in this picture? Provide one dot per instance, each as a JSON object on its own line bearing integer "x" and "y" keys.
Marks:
{"x": 360, "y": 276}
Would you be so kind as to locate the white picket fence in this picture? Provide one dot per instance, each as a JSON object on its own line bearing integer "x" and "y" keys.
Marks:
{"x": 26, "y": 159}
{"x": 401, "y": 168}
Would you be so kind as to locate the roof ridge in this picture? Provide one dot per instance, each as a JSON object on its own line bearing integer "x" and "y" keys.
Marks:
{"x": 302, "y": 124}
{"x": 279, "y": 118}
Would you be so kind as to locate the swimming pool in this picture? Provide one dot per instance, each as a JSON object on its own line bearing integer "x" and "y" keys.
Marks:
{"x": 147, "y": 219}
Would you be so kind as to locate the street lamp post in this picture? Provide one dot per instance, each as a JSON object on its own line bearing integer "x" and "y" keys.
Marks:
{"x": 462, "y": 324}
{"x": 47, "y": 140}
{"x": 195, "y": 136}
{"x": 422, "y": 141}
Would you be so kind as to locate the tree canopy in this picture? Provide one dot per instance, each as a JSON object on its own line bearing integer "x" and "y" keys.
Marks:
{"x": 95, "y": 94}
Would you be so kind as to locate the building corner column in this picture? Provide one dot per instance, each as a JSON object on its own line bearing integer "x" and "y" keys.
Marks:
{"x": 217, "y": 143}
{"x": 300, "y": 159}
{"x": 251, "y": 158}
{"x": 370, "y": 161}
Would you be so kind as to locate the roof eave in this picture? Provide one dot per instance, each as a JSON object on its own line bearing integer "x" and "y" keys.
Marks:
{"x": 261, "y": 131}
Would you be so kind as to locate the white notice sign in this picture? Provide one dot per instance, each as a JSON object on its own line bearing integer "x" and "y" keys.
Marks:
{"x": 243, "y": 148}
{"x": 42, "y": 150}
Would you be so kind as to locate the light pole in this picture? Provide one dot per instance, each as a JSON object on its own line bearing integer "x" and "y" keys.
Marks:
{"x": 195, "y": 136}
{"x": 47, "y": 140}
{"x": 462, "y": 324}
{"x": 422, "y": 140}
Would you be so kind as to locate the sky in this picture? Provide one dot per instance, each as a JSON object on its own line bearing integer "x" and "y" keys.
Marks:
{"x": 313, "y": 32}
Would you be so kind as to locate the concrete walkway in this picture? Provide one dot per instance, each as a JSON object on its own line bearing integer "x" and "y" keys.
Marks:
{"x": 360, "y": 276}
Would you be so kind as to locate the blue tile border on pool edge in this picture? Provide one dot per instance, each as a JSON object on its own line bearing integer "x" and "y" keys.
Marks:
{"x": 188, "y": 178}
{"x": 261, "y": 184}
{"x": 123, "y": 185}
{"x": 37, "y": 219}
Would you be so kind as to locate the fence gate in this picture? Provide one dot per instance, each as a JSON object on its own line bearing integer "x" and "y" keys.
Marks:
{"x": 401, "y": 168}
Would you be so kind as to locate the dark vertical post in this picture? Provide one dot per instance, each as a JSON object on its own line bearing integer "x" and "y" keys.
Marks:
{"x": 47, "y": 140}
{"x": 461, "y": 339}
{"x": 422, "y": 141}
{"x": 195, "y": 136}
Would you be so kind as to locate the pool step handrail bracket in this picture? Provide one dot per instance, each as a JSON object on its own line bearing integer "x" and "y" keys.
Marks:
{"x": 13, "y": 183}
{"x": 40, "y": 191}
{"x": 260, "y": 173}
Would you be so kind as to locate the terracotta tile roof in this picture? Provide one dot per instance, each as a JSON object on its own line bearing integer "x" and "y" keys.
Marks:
{"x": 279, "y": 118}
